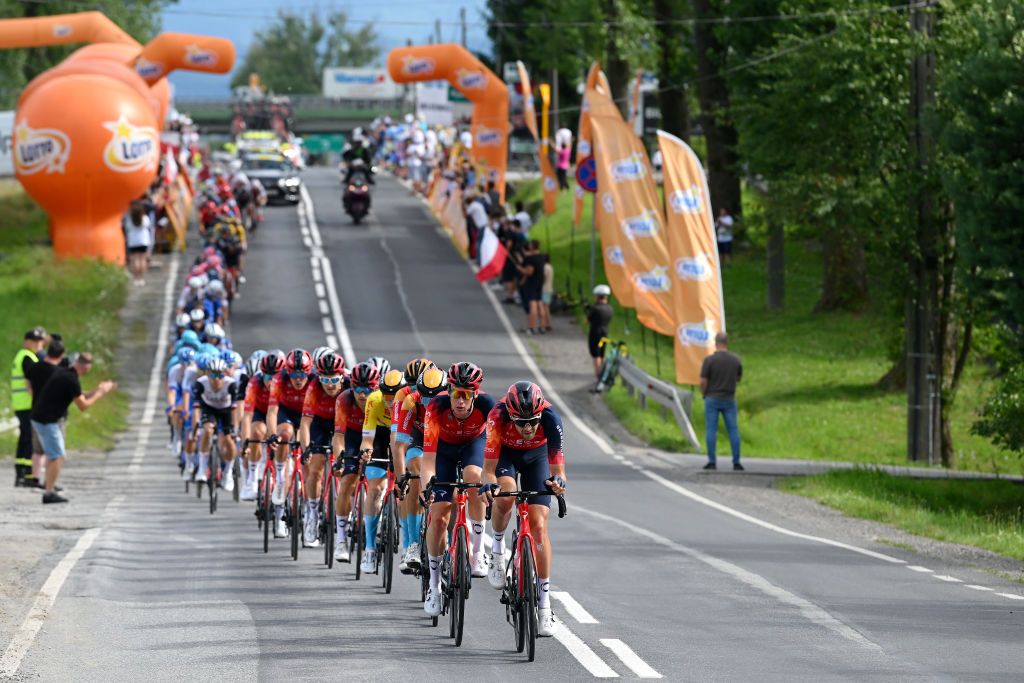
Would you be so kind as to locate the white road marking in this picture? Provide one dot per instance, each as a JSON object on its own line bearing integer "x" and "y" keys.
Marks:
{"x": 917, "y": 568}
{"x": 324, "y": 308}
{"x": 976, "y": 587}
{"x": 583, "y": 654}
{"x": 321, "y": 269}
{"x": 574, "y": 608}
{"x": 1012, "y": 596}
{"x": 807, "y": 609}
{"x": 328, "y": 327}
{"x": 22, "y": 640}
{"x": 626, "y": 655}
{"x": 319, "y": 287}
{"x": 948, "y": 579}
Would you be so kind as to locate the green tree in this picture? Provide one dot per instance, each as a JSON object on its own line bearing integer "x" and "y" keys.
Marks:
{"x": 140, "y": 19}
{"x": 291, "y": 53}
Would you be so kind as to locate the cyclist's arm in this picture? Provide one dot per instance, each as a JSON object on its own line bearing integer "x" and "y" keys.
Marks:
{"x": 492, "y": 449}
{"x": 431, "y": 427}
{"x": 304, "y": 430}
{"x": 370, "y": 420}
{"x": 275, "y": 393}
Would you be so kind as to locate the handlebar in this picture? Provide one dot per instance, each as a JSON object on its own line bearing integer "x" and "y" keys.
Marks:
{"x": 522, "y": 496}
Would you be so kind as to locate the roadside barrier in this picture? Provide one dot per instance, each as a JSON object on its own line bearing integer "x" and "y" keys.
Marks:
{"x": 646, "y": 388}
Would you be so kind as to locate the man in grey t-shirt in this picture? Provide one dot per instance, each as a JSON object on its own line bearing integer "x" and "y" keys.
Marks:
{"x": 719, "y": 375}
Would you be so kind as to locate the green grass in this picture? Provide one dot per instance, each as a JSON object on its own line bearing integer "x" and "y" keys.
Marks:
{"x": 80, "y": 299}
{"x": 984, "y": 513}
{"x": 808, "y": 390}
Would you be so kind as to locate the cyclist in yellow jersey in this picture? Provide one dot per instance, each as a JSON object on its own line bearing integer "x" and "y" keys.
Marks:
{"x": 377, "y": 445}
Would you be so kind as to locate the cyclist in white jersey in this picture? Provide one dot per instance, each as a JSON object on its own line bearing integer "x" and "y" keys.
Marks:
{"x": 215, "y": 397}
{"x": 176, "y": 397}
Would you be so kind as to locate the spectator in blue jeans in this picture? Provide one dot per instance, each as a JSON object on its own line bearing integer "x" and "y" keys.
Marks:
{"x": 719, "y": 375}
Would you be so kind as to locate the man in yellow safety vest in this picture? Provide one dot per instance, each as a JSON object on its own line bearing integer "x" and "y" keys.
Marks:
{"x": 21, "y": 403}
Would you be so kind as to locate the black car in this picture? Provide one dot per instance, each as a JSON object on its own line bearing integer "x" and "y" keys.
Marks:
{"x": 279, "y": 177}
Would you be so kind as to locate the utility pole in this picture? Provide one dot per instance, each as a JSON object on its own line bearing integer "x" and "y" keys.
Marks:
{"x": 437, "y": 31}
{"x": 922, "y": 297}
{"x": 462, "y": 24}
{"x": 554, "y": 99}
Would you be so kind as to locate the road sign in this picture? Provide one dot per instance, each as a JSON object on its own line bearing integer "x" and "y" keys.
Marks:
{"x": 586, "y": 174}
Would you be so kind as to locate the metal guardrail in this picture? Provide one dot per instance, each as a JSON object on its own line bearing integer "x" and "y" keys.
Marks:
{"x": 646, "y": 388}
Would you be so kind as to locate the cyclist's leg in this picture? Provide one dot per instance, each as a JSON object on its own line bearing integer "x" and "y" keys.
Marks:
{"x": 501, "y": 510}
{"x": 209, "y": 423}
{"x": 534, "y": 471}
{"x": 377, "y": 478}
{"x": 437, "y": 535}
{"x": 350, "y": 465}
{"x": 409, "y": 508}
{"x": 472, "y": 456}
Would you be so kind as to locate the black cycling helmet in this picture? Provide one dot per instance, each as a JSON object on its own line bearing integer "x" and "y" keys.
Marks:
{"x": 272, "y": 363}
{"x": 524, "y": 401}
{"x": 415, "y": 368}
{"x": 365, "y": 375}
{"x": 465, "y": 375}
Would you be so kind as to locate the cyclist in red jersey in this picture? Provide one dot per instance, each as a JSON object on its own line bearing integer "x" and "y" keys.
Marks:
{"x": 348, "y": 435}
{"x": 524, "y": 436}
{"x": 454, "y": 433}
{"x": 284, "y": 413}
{"x": 316, "y": 429}
{"x": 254, "y": 417}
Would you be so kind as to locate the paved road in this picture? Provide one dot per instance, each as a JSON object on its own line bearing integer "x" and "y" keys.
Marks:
{"x": 672, "y": 583}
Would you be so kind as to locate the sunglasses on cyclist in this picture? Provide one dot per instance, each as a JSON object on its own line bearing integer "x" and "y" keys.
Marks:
{"x": 463, "y": 394}
{"x": 331, "y": 380}
{"x": 528, "y": 422}
{"x": 298, "y": 374}
{"x": 216, "y": 375}
{"x": 362, "y": 390}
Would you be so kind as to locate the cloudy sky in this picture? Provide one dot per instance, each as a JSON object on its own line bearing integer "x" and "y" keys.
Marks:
{"x": 395, "y": 21}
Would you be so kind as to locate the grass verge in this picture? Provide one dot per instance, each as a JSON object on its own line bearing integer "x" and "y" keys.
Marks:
{"x": 987, "y": 513}
{"x": 808, "y": 390}
{"x": 80, "y": 299}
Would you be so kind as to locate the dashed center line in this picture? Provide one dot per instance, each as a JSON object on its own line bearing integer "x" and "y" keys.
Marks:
{"x": 976, "y": 587}
{"x": 948, "y": 579}
{"x": 626, "y": 655}
{"x": 574, "y": 608}
{"x": 918, "y": 568}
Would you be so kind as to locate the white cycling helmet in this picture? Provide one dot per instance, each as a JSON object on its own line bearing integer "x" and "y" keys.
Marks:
{"x": 381, "y": 363}
{"x": 214, "y": 330}
{"x": 197, "y": 315}
{"x": 183, "y": 320}
{"x": 319, "y": 352}
{"x": 602, "y": 290}
{"x": 195, "y": 282}
{"x": 216, "y": 288}
{"x": 204, "y": 279}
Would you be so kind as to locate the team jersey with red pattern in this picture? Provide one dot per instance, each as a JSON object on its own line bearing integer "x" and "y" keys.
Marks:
{"x": 318, "y": 403}
{"x": 283, "y": 393}
{"x": 257, "y": 395}
{"x": 348, "y": 416}
{"x": 502, "y": 433}
{"x": 409, "y": 416}
{"x": 440, "y": 423}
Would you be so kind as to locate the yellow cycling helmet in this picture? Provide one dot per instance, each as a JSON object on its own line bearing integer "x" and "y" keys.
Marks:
{"x": 393, "y": 381}
{"x": 415, "y": 368}
{"x": 432, "y": 382}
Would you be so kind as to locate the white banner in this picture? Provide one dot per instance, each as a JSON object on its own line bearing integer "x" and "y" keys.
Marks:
{"x": 360, "y": 84}
{"x": 432, "y": 103}
{"x": 6, "y": 143}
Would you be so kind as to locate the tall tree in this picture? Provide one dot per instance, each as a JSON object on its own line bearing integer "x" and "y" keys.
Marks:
{"x": 291, "y": 53}
{"x": 674, "y": 66}
{"x": 140, "y": 19}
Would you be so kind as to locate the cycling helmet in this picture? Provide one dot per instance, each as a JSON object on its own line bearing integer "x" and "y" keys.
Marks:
{"x": 216, "y": 289}
{"x": 186, "y": 354}
{"x": 298, "y": 360}
{"x": 602, "y": 290}
{"x": 197, "y": 315}
{"x": 319, "y": 352}
{"x": 272, "y": 363}
{"x": 190, "y": 338}
{"x": 381, "y": 363}
{"x": 415, "y": 368}
{"x": 366, "y": 375}
{"x": 232, "y": 358}
{"x": 214, "y": 330}
{"x": 205, "y": 279}
{"x": 208, "y": 252}
{"x": 182, "y": 320}
{"x": 330, "y": 363}
{"x": 195, "y": 282}
{"x": 524, "y": 400}
{"x": 252, "y": 366}
{"x": 216, "y": 365}
{"x": 465, "y": 375}
{"x": 432, "y": 382}
{"x": 203, "y": 361}
{"x": 392, "y": 382}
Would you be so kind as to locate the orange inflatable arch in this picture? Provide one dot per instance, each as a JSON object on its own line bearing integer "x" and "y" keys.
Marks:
{"x": 480, "y": 86}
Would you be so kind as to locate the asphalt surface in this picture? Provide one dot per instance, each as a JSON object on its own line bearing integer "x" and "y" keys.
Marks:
{"x": 168, "y": 591}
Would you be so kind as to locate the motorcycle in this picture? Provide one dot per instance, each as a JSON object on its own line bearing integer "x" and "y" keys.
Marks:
{"x": 356, "y": 199}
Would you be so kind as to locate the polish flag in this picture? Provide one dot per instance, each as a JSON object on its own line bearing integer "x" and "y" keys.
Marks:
{"x": 492, "y": 256}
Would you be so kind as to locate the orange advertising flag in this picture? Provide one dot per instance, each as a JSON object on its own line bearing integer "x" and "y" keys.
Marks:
{"x": 549, "y": 183}
{"x": 696, "y": 271}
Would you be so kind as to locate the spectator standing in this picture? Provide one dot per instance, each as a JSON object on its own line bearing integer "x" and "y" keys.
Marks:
{"x": 63, "y": 388}
{"x": 21, "y": 403}
{"x": 547, "y": 292}
{"x": 723, "y": 233}
{"x": 719, "y": 375}
{"x": 495, "y": 209}
{"x": 599, "y": 318}
{"x": 532, "y": 282}
{"x": 138, "y": 231}
{"x": 562, "y": 166}
{"x": 476, "y": 222}
{"x": 38, "y": 375}
{"x": 524, "y": 218}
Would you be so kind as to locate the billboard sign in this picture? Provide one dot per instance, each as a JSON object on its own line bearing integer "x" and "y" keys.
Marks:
{"x": 360, "y": 84}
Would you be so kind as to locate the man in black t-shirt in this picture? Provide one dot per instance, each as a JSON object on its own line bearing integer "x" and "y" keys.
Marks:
{"x": 37, "y": 375}
{"x": 599, "y": 317}
{"x": 719, "y": 375}
{"x": 531, "y": 283}
{"x": 60, "y": 391}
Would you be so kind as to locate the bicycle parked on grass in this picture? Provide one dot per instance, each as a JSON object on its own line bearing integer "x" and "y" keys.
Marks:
{"x": 614, "y": 354}
{"x": 520, "y": 592}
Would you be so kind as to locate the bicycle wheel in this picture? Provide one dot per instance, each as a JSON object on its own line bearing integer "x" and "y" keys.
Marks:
{"x": 268, "y": 506}
{"x": 236, "y": 474}
{"x": 213, "y": 480}
{"x": 360, "y": 540}
{"x": 528, "y": 583}
{"x": 460, "y": 584}
{"x": 296, "y": 517}
{"x": 330, "y": 519}
{"x": 388, "y": 546}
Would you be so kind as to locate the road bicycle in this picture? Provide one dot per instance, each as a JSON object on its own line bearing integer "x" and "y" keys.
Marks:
{"x": 356, "y": 530}
{"x": 519, "y": 594}
{"x": 328, "y": 495}
{"x": 456, "y": 573}
{"x": 388, "y": 530}
{"x": 616, "y": 351}
{"x": 265, "y": 488}
{"x": 294, "y": 497}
